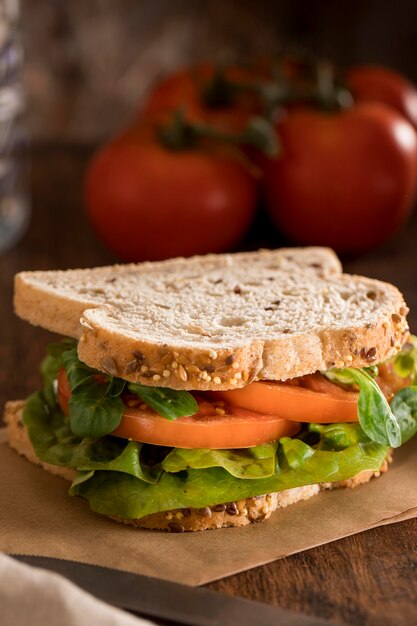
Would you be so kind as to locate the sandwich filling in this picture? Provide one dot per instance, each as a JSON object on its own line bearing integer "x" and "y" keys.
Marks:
{"x": 141, "y": 450}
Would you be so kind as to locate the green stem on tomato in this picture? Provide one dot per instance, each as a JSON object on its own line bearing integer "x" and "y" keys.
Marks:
{"x": 219, "y": 91}
{"x": 222, "y": 91}
{"x": 329, "y": 94}
{"x": 181, "y": 134}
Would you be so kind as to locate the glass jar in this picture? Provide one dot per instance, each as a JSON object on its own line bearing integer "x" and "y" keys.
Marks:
{"x": 14, "y": 207}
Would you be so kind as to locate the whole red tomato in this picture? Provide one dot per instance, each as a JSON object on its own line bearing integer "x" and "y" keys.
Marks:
{"x": 148, "y": 202}
{"x": 345, "y": 179}
{"x": 372, "y": 83}
{"x": 206, "y": 96}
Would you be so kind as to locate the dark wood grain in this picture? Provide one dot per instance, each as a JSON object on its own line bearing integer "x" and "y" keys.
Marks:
{"x": 369, "y": 578}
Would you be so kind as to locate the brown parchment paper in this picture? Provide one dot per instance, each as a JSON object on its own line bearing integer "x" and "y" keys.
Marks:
{"x": 37, "y": 517}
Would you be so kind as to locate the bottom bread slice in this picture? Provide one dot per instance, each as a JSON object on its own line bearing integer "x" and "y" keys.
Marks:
{"x": 240, "y": 513}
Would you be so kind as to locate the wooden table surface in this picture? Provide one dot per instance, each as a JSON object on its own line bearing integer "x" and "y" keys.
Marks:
{"x": 369, "y": 578}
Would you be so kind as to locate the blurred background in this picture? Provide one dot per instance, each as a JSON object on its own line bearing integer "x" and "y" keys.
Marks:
{"x": 90, "y": 68}
{"x": 89, "y": 64}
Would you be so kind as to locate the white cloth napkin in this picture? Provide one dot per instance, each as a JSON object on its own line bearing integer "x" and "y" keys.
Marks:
{"x": 30, "y": 595}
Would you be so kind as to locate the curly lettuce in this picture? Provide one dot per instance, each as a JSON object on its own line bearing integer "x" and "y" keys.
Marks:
{"x": 131, "y": 480}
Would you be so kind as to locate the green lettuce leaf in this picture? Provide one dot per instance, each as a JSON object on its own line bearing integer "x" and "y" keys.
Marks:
{"x": 404, "y": 406}
{"x": 95, "y": 409}
{"x": 337, "y": 436}
{"x": 116, "y": 387}
{"x": 115, "y": 493}
{"x": 405, "y": 362}
{"x": 92, "y": 412}
{"x": 54, "y": 442}
{"x": 256, "y": 462}
{"x": 375, "y": 415}
{"x": 49, "y": 371}
{"x": 169, "y": 403}
{"x": 57, "y": 349}
{"x": 78, "y": 373}
{"x": 51, "y": 365}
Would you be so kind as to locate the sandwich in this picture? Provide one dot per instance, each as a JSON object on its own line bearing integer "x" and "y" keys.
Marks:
{"x": 201, "y": 393}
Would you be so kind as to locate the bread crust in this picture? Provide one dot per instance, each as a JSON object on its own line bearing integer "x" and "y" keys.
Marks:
{"x": 232, "y": 368}
{"x": 240, "y": 513}
{"x": 200, "y": 361}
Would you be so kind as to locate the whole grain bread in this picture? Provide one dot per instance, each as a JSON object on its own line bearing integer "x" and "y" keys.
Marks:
{"x": 57, "y": 299}
{"x": 240, "y": 513}
{"x": 219, "y": 321}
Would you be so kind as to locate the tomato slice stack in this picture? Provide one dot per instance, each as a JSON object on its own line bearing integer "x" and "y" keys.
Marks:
{"x": 241, "y": 418}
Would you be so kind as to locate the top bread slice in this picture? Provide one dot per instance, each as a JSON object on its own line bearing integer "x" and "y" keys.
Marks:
{"x": 219, "y": 321}
{"x": 56, "y": 300}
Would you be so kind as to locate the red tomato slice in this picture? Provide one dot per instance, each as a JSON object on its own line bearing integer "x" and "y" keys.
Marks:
{"x": 307, "y": 399}
{"x": 64, "y": 391}
{"x": 236, "y": 428}
{"x": 389, "y": 382}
